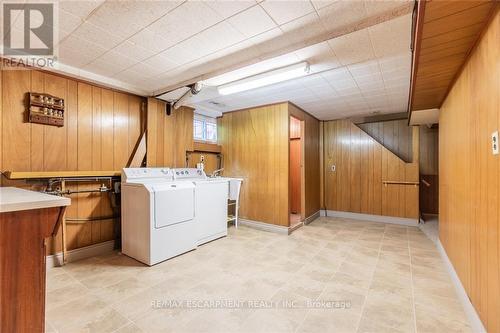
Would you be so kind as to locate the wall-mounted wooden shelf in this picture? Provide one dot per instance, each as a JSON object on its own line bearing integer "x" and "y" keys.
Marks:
{"x": 59, "y": 174}
{"x": 207, "y": 147}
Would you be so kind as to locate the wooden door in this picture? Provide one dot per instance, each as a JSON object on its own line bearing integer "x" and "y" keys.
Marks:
{"x": 295, "y": 174}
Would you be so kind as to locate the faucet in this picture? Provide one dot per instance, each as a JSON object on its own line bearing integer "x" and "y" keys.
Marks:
{"x": 217, "y": 172}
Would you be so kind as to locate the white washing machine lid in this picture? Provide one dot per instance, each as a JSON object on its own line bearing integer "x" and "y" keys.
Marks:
{"x": 173, "y": 203}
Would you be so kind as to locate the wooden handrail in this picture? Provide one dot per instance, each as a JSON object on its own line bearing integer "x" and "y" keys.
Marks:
{"x": 59, "y": 174}
{"x": 399, "y": 182}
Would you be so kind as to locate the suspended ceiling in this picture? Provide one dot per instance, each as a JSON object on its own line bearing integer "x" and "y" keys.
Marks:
{"x": 358, "y": 50}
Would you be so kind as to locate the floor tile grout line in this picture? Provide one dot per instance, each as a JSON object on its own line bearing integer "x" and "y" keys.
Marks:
{"x": 341, "y": 242}
{"x": 371, "y": 282}
{"x": 412, "y": 286}
{"x": 321, "y": 293}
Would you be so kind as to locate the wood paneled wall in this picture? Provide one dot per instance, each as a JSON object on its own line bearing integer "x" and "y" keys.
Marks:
{"x": 429, "y": 170}
{"x": 211, "y": 160}
{"x": 429, "y": 148}
{"x": 168, "y": 137}
{"x": 101, "y": 128}
{"x": 394, "y": 135}
{"x": 361, "y": 164}
{"x": 469, "y": 182}
{"x": 255, "y": 147}
{"x": 311, "y": 159}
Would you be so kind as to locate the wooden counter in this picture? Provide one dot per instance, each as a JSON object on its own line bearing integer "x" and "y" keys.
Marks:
{"x": 27, "y": 218}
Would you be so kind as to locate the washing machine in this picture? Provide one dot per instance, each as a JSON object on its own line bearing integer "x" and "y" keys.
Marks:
{"x": 211, "y": 195}
{"x": 157, "y": 215}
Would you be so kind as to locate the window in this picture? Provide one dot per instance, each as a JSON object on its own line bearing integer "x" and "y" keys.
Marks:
{"x": 205, "y": 128}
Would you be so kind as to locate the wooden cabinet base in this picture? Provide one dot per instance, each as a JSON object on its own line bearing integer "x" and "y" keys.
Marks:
{"x": 22, "y": 267}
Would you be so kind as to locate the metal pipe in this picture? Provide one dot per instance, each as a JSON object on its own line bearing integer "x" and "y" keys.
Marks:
{"x": 89, "y": 219}
{"x": 68, "y": 192}
{"x": 81, "y": 179}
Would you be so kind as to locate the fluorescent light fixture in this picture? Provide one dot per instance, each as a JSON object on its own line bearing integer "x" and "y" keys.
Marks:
{"x": 265, "y": 79}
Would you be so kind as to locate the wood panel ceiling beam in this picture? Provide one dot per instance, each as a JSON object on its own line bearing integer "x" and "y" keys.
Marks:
{"x": 445, "y": 35}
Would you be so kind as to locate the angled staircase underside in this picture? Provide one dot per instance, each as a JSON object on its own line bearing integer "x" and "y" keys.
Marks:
{"x": 395, "y": 135}
{"x": 362, "y": 165}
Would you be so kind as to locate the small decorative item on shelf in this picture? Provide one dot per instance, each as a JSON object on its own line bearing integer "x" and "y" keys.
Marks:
{"x": 46, "y": 109}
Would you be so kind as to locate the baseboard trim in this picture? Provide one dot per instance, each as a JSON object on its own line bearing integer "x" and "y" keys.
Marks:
{"x": 470, "y": 311}
{"x": 371, "y": 218}
{"x": 295, "y": 227}
{"x": 311, "y": 218}
{"x": 264, "y": 226}
{"x": 56, "y": 260}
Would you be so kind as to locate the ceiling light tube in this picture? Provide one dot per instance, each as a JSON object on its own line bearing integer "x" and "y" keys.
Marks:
{"x": 265, "y": 79}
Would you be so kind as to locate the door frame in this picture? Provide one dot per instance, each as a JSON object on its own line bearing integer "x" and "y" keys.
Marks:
{"x": 302, "y": 170}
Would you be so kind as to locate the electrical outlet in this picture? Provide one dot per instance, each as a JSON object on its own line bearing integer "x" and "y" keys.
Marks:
{"x": 202, "y": 158}
{"x": 494, "y": 143}
{"x": 333, "y": 167}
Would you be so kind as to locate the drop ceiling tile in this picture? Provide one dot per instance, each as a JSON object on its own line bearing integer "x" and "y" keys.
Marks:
{"x": 73, "y": 51}
{"x": 342, "y": 14}
{"x": 103, "y": 68}
{"x": 112, "y": 57}
{"x": 347, "y": 91}
{"x": 389, "y": 63}
{"x": 364, "y": 69}
{"x": 338, "y": 74}
{"x": 373, "y": 78}
{"x": 190, "y": 50}
{"x": 82, "y": 9}
{"x": 181, "y": 53}
{"x": 285, "y": 11}
{"x": 353, "y": 48}
{"x": 71, "y": 57}
{"x": 145, "y": 69}
{"x": 96, "y": 35}
{"x": 396, "y": 74}
{"x": 160, "y": 62}
{"x": 341, "y": 85}
{"x": 320, "y": 57}
{"x": 377, "y": 7}
{"x": 318, "y": 4}
{"x": 392, "y": 37}
{"x": 302, "y": 30}
{"x": 133, "y": 51}
{"x": 270, "y": 41}
{"x": 219, "y": 36}
{"x": 232, "y": 55}
{"x": 229, "y": 8}
{"x": 67, "y": 23}
{"x": 186, "y": 20}
{"x": 150, "y": 40}
{"x": 129, "y": 17}
{"x": 397, "y": 82}
{"x": 131, "y": 76}
{"x": 252, "y": 21}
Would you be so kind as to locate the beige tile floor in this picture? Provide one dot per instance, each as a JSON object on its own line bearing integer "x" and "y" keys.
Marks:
{"x": 334, "y": 275}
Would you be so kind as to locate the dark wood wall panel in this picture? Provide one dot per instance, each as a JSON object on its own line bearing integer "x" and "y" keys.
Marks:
{"x": 311, "y": 159}
{"x": 255, "y": 147}
{"x": 168, "y": 137}
{"x": 100, "y": 126}
{"x": 394, "y": 135}
{"x": 361, "y": 164}
{"x": 429, "y": 151}
{"x": 469, "y": 183}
